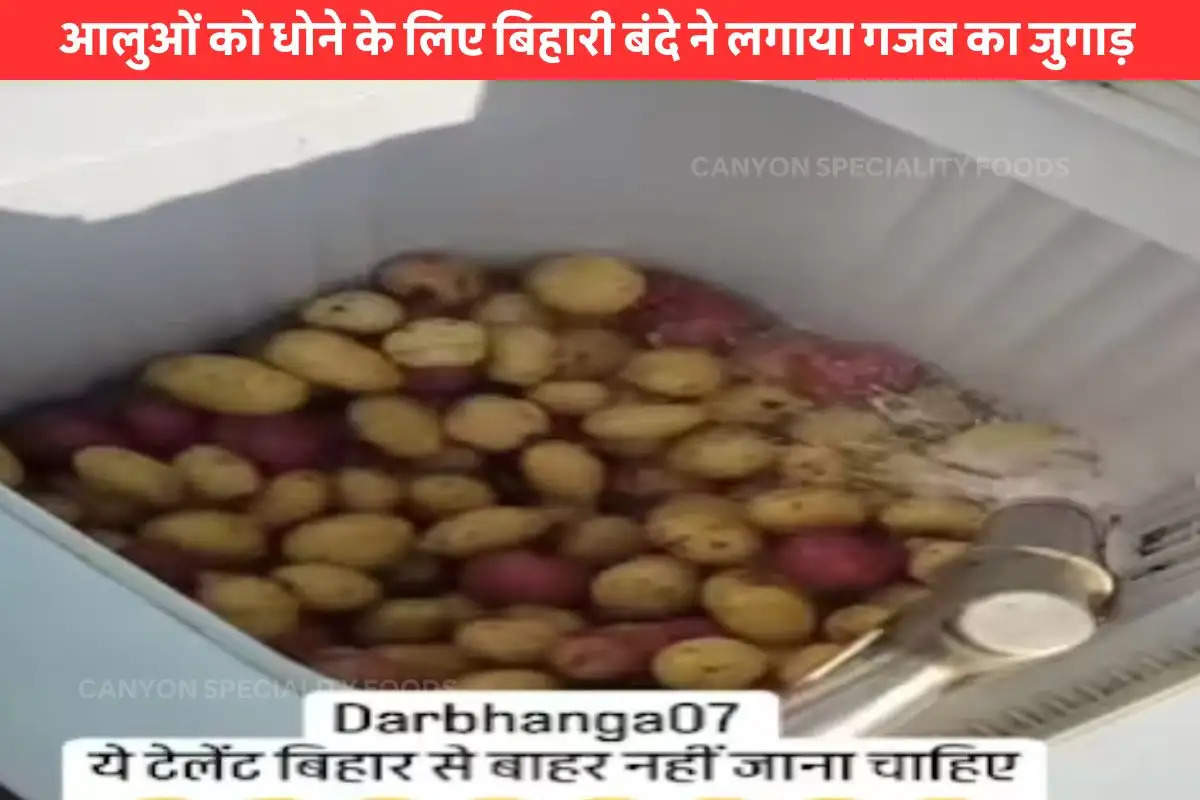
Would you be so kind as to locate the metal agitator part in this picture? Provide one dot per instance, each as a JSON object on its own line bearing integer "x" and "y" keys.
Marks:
{"x": 1034, "y": 587}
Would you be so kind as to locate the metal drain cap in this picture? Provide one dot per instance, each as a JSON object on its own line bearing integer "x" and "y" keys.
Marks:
{"x": 1025, "y": 624}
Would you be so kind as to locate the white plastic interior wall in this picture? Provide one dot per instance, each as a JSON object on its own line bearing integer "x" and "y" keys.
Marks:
{"x": 1017, "y": 291}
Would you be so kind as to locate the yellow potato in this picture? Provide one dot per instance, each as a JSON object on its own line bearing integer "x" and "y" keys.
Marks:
{"x": 432, "y": 661}
{"x": 59, "y": 505}
{"x": 227, "y": 384}
{"x": 899, "y": 596}
{"x": 396, "y": 425}
{"x": 763, "y": 611}
{"x": 354, "y": 311}
{"x": 1008, "y": 447}
{"x": 331, "y": 359}
{"x": 258, "y": 606}
{"x": 563, "y": 620}
{"x": 850, "y": 623}
{"x": 722, "y": 452}
{"x": 813, "y": 465}
{"x": 713, "y": 533}
{"x": 366, "y": 489}
{"x": 586, "y": 284}
{"x": 710, "y": 663}
{"x": 216, "y": 534}
{"x": 292, "y": 497}
{"x": 643, "y": 420}
{"x": 928, "y": 557}
{"x": 521, "y": 355}
{"x": 755, "y": 404}
{"x": 646, "y": 587}
{"x": 406, "y": 619}
{"x": 494, "y": 422}
{"x": 499, "y": 680}
{"x": 483, "y": 529}
{"x": 682, "y": 372}
{"x": 11, "y": 471}
{"x": 570, "y": 398}
{"x": 328, "y": 587}
{"x": 130, "y": 474}
{"x": 437, "y": 342}
{"x": 591, "y": 353}
{"x": 357, "y": 540}
{"x": 563, "y": 470}
{"x": 937, "y": 516}
{"x": 449, "y": 494}
{"x": 841, "y": 426}
{"x": 800, "y": 664}
{"x": 514, "y": 641}
{"x": 448, "y": 282}
{"x": 790, "y": 508}
{"x": 603, "y": 540}
{"x": 511, "y": 308}
{"x": 214, "y": 473}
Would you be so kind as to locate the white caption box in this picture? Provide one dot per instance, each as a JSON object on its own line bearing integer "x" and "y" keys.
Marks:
{"x": 550, "y": 746}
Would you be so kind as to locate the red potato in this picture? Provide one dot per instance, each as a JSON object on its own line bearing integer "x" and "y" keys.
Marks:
{"x": 597, "y": 657}
{"x": 440, "y": 384}
{"x": 827, "y": 370}
{"x": 836, "y": 371}
{"x": 361, "y": 669}
{"x": 650, "y": 637}
{"x": 161, "y": 427}
{"x": 840, "y": 560}
{"x": 49, "y": 437}
{"x": 431, "y": 284}
{"x": 513, "y": 577}
{"x": 624, "y": 651}
{"x": 280, "y": 442}
{"x": 676, "y": 310}
{"x": 769, "y": 357}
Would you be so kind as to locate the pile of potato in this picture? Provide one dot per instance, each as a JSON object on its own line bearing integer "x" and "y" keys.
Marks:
{"x": 579, "y": 474}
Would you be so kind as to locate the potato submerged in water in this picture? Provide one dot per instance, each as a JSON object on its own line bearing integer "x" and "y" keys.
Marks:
{"x": 576, "y": 473}
{"x": 646, "y": 587}
{"x": 260, "y": 607}
{"x": 586, "y": 285}
{"x": 357, "y": 540}
{"x": 227, "y": 384}
{"x": 331, "y": 359}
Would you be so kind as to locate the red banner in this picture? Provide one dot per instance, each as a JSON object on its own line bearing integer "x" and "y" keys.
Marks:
{"x": 559, "y": 39}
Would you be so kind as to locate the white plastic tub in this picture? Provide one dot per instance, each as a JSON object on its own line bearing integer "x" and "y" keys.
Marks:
{"x": 114, "y": 248}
